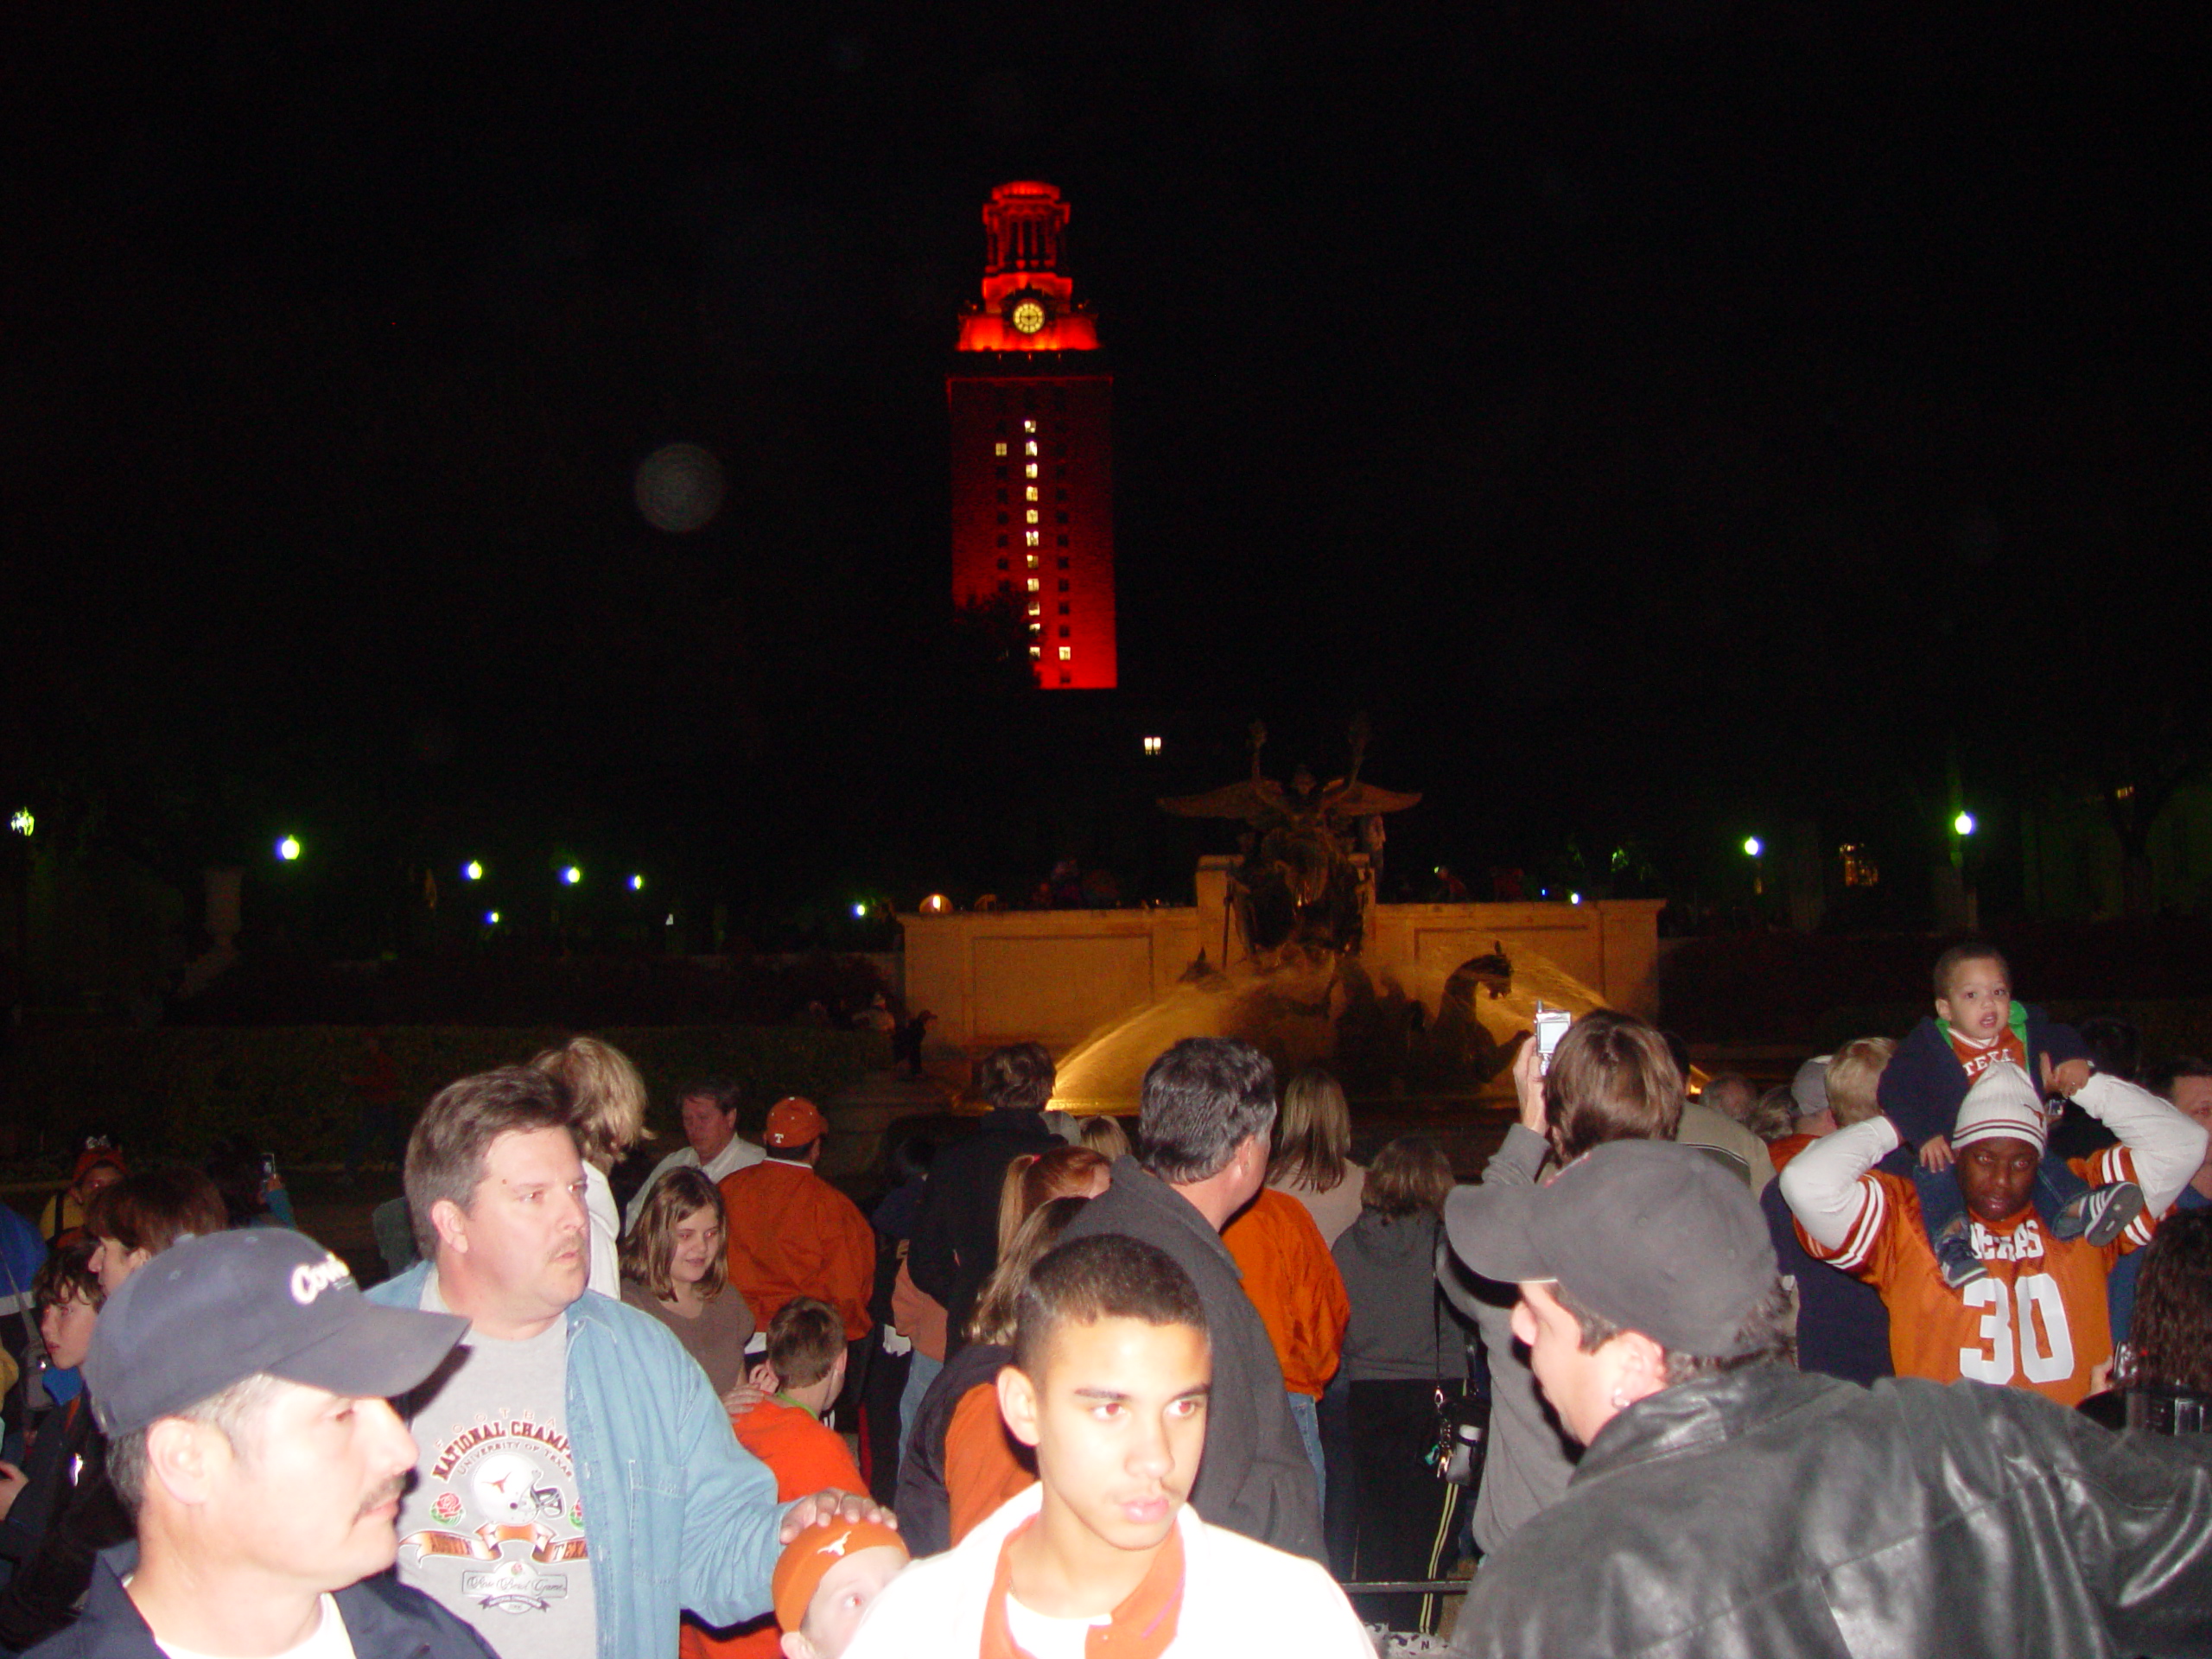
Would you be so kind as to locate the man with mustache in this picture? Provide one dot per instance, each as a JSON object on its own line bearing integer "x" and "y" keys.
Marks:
{"x": 578, "y": 1485}
{"x": 242, "y": 1382}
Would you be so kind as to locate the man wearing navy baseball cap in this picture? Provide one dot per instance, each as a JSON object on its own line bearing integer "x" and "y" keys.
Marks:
{"x": 242, "y": 1381}
{"x": 1727, "y": 1503}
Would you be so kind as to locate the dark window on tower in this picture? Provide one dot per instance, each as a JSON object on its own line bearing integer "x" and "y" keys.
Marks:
{"x": 1001, "y": 541}
{"x": 1059, "y": 495}
{"x": 1064, "y": 542}
{"x": 1002, "y": 564}
{"x": 1003, "y": 519}
{"x": 1063, "y": 611}
{"x": 1060, "y": 517}
{"x": 1063, "y": 584}
{"x": 1063, "y": 630}
{"x": 1064, "y": 564}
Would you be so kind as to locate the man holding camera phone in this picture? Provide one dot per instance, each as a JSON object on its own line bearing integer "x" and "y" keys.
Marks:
{"x": 1610, "y": 1077}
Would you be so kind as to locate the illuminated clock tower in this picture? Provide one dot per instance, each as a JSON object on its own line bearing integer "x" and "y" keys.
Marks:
{"x": 1032, "y": 447}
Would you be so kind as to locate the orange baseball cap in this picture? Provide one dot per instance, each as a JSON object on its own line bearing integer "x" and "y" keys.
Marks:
{"x": 795, "y": 1120}
{"x": 808, "y": 1558}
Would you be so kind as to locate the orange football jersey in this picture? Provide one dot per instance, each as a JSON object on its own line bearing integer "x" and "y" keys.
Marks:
{"x": 2039, "y": 1320}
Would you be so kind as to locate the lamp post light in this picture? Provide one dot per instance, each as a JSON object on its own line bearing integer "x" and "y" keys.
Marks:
{"x": 287, "y": 848}
{"x": 1755, "y": 850}
{"x": 570, "y": 876}
{"x": 636, "y": 884}
{"x": 1963, "y": 825}
{"x": 473, "y": 870}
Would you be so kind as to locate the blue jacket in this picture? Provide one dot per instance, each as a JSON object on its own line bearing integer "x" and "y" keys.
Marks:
{"x": 383, "y": 1620}
{"x": 1923, "y": 1085}
{"x": 679, "y": 1515}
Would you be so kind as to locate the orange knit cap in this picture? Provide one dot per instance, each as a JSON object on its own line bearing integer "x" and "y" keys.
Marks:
{"x": 809, "y": 1557}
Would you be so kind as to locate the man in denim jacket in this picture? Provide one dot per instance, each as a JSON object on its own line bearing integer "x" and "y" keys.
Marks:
{"x": 578, "y": 1485}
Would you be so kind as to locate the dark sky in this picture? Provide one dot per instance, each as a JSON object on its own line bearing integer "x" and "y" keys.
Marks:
{"x": 1663, "y": 419}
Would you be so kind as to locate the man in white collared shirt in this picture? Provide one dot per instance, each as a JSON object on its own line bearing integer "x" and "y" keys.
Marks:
{"x": 715, "y": 1146}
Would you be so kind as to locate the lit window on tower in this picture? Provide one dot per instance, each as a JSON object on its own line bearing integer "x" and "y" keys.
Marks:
{"x": 1029, "y": 493}
{"x": 1035, "y": 537}
{"x": 1001, "y": 449}
{"x": 1033, "y": 584}
{"x": 1030, "y": 447}
{"x": 1067, "y": 653}
{"x": 1030, "y": 471}
{"x": 1033, "y": 515}
{"x": 1029, "y": 426}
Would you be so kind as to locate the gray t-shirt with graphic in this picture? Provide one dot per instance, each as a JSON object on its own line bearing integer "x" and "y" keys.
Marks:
{"x": 493, "y": 1526}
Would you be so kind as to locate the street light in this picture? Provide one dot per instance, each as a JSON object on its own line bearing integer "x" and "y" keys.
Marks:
{"x": 473, "y": 870}
{"x": 572, "y": 875}
{"x": 1753, "y": 847}
{"x": 1963, "y": 825}
{"x": 288, "y": 848}
{"x": 491, "y": 918}
{"x": 22, "y": 823}
{"x": 636, "y": 884}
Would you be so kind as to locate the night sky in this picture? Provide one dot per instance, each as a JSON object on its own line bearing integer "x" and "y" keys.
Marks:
{"x": 1665, "y": 420}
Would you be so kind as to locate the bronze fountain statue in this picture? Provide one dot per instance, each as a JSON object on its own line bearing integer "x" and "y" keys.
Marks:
{"x": 1300, "y": 887}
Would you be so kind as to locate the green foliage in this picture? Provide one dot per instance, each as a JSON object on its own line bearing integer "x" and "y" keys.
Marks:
{"x": 178, "y": 1089}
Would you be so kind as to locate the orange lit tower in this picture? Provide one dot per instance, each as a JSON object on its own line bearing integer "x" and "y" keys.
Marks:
{"x": 1033, "y": 447}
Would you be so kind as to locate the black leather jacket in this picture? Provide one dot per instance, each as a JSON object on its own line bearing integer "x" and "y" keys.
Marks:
{"x": 1770, "y": 1513}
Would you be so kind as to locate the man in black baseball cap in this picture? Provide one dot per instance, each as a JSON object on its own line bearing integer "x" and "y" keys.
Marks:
{"x": 242, "y": 1380}
{"x": 1726, "y": 1504}
{"x": 1657, "y": 1240}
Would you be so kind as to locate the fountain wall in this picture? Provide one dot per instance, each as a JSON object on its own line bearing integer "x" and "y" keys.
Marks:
{"x": 1056, "y": 975}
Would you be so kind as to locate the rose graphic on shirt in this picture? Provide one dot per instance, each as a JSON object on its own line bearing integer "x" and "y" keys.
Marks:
{"x": 446, "y": 1506}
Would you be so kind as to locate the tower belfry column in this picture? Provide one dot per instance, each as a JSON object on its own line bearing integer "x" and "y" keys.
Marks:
{"x": 1030, "y": 402}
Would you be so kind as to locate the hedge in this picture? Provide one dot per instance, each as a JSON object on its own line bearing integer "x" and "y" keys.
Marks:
{"x": 178, "y": 1089}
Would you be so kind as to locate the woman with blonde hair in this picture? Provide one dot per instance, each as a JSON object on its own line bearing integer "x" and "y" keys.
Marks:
{"x": 1036, "y": 1177}
{"x": 1103, "y": 1135}
{"x": 607, "y": 1102}
{"x": 674, "y": 1267}
{"x": 1311, "y": 1161}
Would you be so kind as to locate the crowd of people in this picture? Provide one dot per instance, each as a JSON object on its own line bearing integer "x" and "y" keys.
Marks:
{"x": 1861, "y": 1364}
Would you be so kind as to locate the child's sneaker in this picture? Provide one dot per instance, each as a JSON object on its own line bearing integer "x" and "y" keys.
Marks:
{"x": 2099, "y": 1215}
{"x": 1955, "y": 1255}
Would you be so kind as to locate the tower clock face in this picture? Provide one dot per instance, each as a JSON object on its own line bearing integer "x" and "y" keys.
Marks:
{"x": 1028, "y": 312}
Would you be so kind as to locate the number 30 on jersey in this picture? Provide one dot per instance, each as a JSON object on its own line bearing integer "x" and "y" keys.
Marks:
{"x": 2027, "y": 1320}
